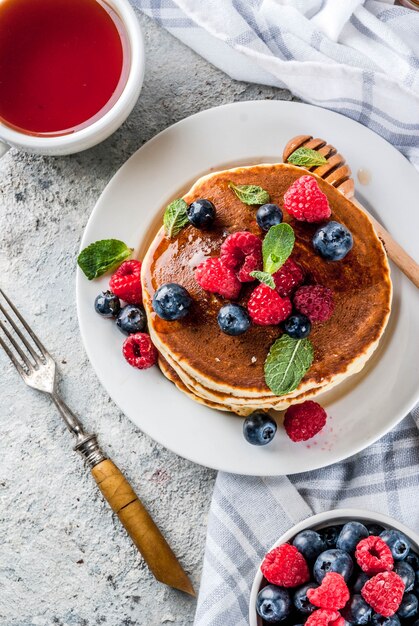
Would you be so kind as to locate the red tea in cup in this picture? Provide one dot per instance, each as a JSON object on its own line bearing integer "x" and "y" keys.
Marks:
{"x": 61, "y": 63}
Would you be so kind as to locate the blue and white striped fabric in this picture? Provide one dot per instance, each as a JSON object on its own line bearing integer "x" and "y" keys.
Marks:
{"x": 359, "y": 58}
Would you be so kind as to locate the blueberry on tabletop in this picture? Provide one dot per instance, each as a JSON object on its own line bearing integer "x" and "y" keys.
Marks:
{"x": 350, "y": 535}
{"x": 375, "y": 529}
{"x": 310, "y": 544}
{"x": 397, "y": 542}
{"x": 297, "y": 326}
{"x": 131, "y": 319}
{"x": 301, "y": 602}
{"x": 357, "y": 611}
{"x": 171, "y": 302}
{"x": 408, "y": 607}
{"x": 201, "y": 213}
{"x": 380, "y": 620}
{"x": 268, "y": 215}
{"x": 406, "y": 573}
{"x": 233, "y": 319}
{"x": 360, "y": 581}
{"x": 330, "y": 535}
{"x": 332, "y": 241}
{"x": 333, "y": 561}
{"x": 259, "y": 428}
{"x": 107, "y": 304}
{"x": 273, "y": 604}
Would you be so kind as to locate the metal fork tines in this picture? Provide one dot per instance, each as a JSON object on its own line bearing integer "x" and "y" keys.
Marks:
{"x": 38, "y": 370}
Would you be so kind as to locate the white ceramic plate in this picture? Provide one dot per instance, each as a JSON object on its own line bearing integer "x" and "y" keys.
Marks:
{"x": 328, "y": 518}
{"x": 363, "y": 408}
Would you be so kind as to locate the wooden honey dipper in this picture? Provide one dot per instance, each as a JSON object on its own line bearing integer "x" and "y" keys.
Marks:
{"x": 337, "y": 173}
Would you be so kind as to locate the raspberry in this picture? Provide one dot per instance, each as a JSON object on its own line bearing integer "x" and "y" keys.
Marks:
{"x": 305, "y": 201}
{"x": 215, "y": 277}
{"x": 315, "y": 301}
{"x": 242, "y": 252}
{"x": 139, "y": 351}
{"x": 288, "y": 277}
{"x": 266, "y": 306}
{"x": 126, "y": 282}
{"x": 285, "y": 566}
{"x": 333, "y": 593}
{"x": 373, "y": 555}
{"x": 324, "y": 617}
{"x": 384, "y": 593}
{"x": 303, "y": 421}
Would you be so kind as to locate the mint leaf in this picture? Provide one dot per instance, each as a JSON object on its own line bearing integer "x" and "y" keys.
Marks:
{"x": 306, "y": 158}
{"x": 250, "y": 194}
{"x": 102, "y": 256}
{"x": 175, "y": 217}
{"x": 277, "y": 247}
{"x": 264, "y": 277}
{"x": 286, "y": 364}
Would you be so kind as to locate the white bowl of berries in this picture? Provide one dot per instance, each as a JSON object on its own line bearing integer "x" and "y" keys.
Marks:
{"x": 339, "y": 568}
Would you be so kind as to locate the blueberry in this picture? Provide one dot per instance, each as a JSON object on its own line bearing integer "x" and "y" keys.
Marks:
{"x": 297, "y": 326}
{"x": 233, "y": 319}
{"x": 380, "y": 620}
{"x": 375, "y": 529}
{"x": 273, "y": 604}
{"x": 259, "y": 428}
{"x": 332, "y": 241}
{"x": 350, "y": 535}
{"x": 357, "y": 611}
{"x": 413, "y": 560}
{"x": 397, "y": 542}
{"x": 107, "y": 304}
{"x": 268, "y": 215}
{"x": 330, "y": 535}
{"x": 171, "y": 302}
{"x": 333, "y": 561}
{"x": 359, "y": 582}
{"x": 310, "y": 544}
{"x": 201, "y": 213}
{"x": 301, "y": 602}
{"x": 131, "y": 319}
{"x": 406, "y": 573}
{"x": 408, "y": 606}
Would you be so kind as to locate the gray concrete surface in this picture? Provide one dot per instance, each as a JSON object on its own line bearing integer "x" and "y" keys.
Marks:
{"x": 64, "y": 559}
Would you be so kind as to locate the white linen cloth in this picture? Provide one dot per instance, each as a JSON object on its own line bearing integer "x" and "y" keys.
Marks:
{"x": 361, "y": 59}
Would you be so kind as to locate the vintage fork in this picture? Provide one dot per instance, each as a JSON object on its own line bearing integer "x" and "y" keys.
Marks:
{"x": 39, "y": 371}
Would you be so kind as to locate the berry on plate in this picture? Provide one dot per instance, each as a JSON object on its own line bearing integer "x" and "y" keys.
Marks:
{"x": 233, "y": 319}
{"x": 285, "y": 566}
{"x": 408, "y": 607}
{"x": 325, "y": 617}
{"x": 301, "y": 601}
{"x": 360, "y": 581}
{"x": 201, "y": 213}
{"x": 139, "y": 351}
{"x": 259, "y": 428}
{"x": 266, "y": 307}
{"x": 373, "y": 555}
{"x": 333, "y": 592}
{"x": 397, "y": 542}
{"x": 384, "y": 593}
{"x": 333, "y": 241}
{"x": 126, "y": 282}
{"x": 350, "y": 535}
{"x": 314, "y": 301}
{"x": 330, "y": 535}
{"x": 268, "y": 215}
{"x": 380, "y": 620}
{"x": 297, "y": 326}
{"x": 242, "y": 253}
{"x": 406, "y": 573}
{"x": 303, "y": 421}
{"x": 305, "y": 201}
{"x": 273, "y": 604}
{"x": 310, "y": 544}
{"x": 357, "y": 611}
{"x": 288, "y": 278}
{"x": 171, "y": 302}
{"x": 333, "y": 561}
{"x": 131, "y": 319}
{"x": 213, "y": 276}
{"x": 107, "y": 304}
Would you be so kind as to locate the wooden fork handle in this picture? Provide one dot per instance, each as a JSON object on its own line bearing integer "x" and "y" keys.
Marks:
{"x": 140, "y": 526}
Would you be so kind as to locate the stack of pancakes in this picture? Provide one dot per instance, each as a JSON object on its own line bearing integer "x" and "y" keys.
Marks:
{"x": 226, "y": 372}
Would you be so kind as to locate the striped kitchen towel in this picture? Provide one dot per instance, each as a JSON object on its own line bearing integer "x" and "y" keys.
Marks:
{"x": 359, "y": 58}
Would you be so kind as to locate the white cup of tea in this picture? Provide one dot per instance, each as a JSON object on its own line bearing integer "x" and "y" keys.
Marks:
{"x": 105, "y": 73}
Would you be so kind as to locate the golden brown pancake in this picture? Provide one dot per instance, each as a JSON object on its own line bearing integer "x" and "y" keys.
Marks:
{"x": 234, "y": 365}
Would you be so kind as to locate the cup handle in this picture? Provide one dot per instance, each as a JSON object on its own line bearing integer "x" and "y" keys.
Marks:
{"x": 4, "y": 147}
